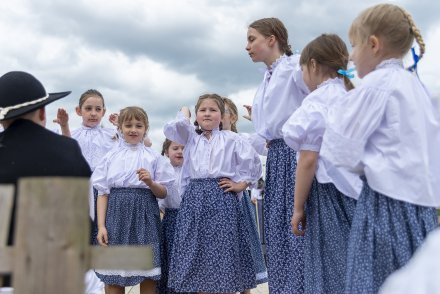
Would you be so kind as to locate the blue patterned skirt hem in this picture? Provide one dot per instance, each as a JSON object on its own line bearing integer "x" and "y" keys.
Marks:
{"x": 211, "y": 252}
{"x": 385, "y": 234}
{"x": 132, "y": 219}
{"x": 285, "y": 263}
{"x": 249, "y": 220}
{"x": 329, "y": 218}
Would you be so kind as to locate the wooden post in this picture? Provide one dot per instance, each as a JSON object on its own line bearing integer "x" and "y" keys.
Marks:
{"x": 6, "y": 201}
{"x": 52, "y": 252}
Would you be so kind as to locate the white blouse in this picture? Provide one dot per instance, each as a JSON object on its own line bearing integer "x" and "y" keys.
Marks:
{"x": 225, "y": 154}
{"x": 257, "y": 142}
{"x": 304, "y": 131}
{"x": 278, "y": 96}
{"x": 174, "y": 197}
{"x": 386, "y": 129}
{"x": 118, "y": 168}
{"x": 95, "y": 142}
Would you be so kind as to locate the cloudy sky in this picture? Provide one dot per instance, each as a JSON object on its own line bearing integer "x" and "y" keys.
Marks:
{"x": 163, "y": 54}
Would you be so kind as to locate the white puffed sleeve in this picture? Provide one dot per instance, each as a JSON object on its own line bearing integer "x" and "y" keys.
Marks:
{"x": 99, "y": 177}
{"x": 164, "y": 173}
{"x": 305, "y": 127}
{"x": 179, "y": 130}
{"x": 257, "y": 142}
{"x": 350, "y": 123}
{"x": 247, "y": 162}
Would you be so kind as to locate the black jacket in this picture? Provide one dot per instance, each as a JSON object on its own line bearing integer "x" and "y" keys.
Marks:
{"x": 28, "y": 150}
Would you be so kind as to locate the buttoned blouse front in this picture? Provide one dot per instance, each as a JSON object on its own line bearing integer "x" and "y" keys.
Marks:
{"x": 280, "y": 93}
{"x": 225, "y": 154}
{"x": 304, "y": 131}
{"x": 386, "y": 129}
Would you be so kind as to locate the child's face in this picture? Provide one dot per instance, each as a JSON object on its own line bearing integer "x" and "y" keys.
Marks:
{"x": 91, "y": 111}
{"x": 175, "y": 154}
{"x": 363, "y": 57}
{"x": 258, "y": 46}
{"x": 209, "y": 115}
{"x": 134, "y": 131}
{"x": 228, "y": 119}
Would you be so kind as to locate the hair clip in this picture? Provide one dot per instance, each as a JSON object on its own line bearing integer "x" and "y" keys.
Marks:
{"x": 347, "y": 73}
{"x": 416, "y": 58}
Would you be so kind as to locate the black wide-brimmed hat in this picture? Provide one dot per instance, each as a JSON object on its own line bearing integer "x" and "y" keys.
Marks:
{"x": 21, "y": 93}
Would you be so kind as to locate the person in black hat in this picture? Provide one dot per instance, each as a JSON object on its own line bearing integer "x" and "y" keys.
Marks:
{"x": 27, "y": 148}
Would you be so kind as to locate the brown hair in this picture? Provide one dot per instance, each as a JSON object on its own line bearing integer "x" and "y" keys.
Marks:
{"x": 233, "y": 111}
{"x": 166, "y": 144}
{"x": 330, "y": 52}
{"x": 273, "y": 26}
{"x": 391, "y": 22}
{"x": 90, "y": 93}
{"x": 218, "y": 100}
{"x": 133, "y": 112}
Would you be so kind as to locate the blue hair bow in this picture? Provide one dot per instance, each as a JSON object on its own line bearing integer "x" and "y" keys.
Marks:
{"x": 347, "y": 73}
{"x": 416, "y": 58}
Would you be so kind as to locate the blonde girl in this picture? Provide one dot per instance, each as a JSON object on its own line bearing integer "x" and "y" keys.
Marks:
{"x": 386, "y": 131}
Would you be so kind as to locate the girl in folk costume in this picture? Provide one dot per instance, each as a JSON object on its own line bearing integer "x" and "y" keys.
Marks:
{"x": 129, "y": 179}
{"x": 386, "y": 131}
{"x": 278, "y": 96}
{"x": 322, "y": 208}
{"x": 211, "y": 252}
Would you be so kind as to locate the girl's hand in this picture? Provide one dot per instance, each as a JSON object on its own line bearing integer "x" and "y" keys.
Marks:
{"x": 186, "y": 112}
{"x": 144, "y": 176}
{"x": 230, "y": 186}
{"x": 249, "y": 111}
{"x": 298, "y": 218}
{"x": 113, "y": 119}
{"x": 62, "y": 117}
{"x": 102, "y": 236}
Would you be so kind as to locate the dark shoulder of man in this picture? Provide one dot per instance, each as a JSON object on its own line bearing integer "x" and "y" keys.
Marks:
{"x": 29, "y": 150}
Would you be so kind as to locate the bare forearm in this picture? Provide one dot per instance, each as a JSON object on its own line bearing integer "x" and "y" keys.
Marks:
{"x": 158, "y": 190}
{"x": 305, "y": 173}
{"x": 65, "y": 130}
{"x": 101, "y": 208}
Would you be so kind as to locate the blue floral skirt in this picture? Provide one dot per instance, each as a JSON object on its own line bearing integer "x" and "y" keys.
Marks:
{"x": 132, "y": 219}
{"x": 249, "y": 220}
{"x": 385, "y": 233}
{"x": 211, "y": 252}
{"x": 285, "y": 263}
{"x": 329, "y": 215}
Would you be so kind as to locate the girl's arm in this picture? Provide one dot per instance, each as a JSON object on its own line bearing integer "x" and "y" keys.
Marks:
{"x": 180, "y": 129}
{"x": 63, "y": 120}
{"x": 157, "y": 189}
{"x": 305, "y": 173}
{"x": 101, "y": 208}
{"x": 230, "y": 186}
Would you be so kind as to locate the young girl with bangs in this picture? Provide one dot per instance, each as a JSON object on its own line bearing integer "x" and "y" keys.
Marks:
{"x": 128, "y": 180}
{"x": 211, "y": 253}
{"x": 278, "y": 96}
{"x": 325, "y": 196}
{"x": 386, "y": 131}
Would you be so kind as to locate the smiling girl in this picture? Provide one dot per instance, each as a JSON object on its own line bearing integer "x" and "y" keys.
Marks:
{"x": 129, "y": 179}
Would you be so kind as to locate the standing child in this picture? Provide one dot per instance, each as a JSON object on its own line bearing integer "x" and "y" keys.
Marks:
{"x": 128, "y": 180}
{"x": 386, "y": 131}
{"x": 170, "y": 206}
{"x": 229, "y": 123}
{"x": 211, "y": 252}
{"x": 95, "y": 141}
{"x": 320, "y": 188}
{"x": 278, "y": 96}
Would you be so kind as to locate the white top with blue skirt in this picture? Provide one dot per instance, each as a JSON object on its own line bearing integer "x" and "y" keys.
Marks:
{"x": 132, "y": 216}
{"x": 278, "y": 96}
{"x": 211, "y": 251}
{"x": 225, "y": 154}
{"x": 386, "y": 129}
{"x": 304, "y": 131}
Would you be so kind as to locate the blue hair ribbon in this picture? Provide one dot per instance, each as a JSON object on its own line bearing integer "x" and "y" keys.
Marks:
{"x": 347, "y": 73}
{"x": 416, "y": 58}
